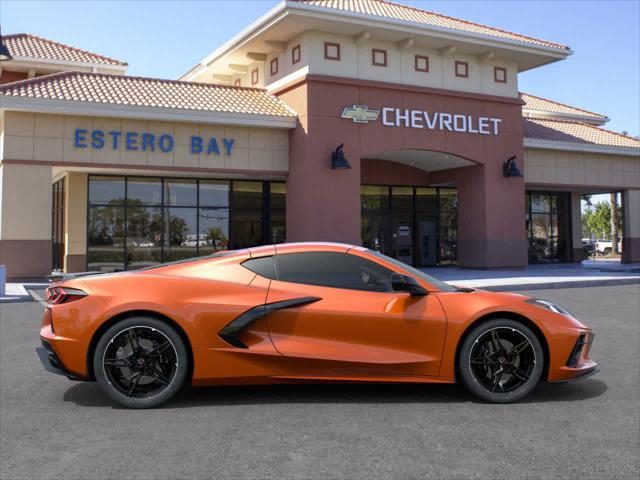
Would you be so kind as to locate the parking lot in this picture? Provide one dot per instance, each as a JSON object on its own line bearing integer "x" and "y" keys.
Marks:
{"x": 54, "y": 428}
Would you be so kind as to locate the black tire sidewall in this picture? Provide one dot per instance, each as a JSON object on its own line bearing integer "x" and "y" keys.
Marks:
{"x": 467, "y": 376}
{"x": 176, "y": 382}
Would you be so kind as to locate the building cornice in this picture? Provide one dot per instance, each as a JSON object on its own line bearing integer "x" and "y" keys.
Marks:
{"x": 288, "y": 7}
{"x": 528, "y": 113}
{"x": 18, "y": 61}
{"x": 66, "y": 107}
{"x": 412, "y": 27}
{"x": 98, "y": 167}
{"x": 580, "y": 147}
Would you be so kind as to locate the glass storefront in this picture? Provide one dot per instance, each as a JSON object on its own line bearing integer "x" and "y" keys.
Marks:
{"x": 134, "y": 222}
{"x": 57, "y": 225}
{"x": 548, "y": 226}
{"x": 416, "y": 225}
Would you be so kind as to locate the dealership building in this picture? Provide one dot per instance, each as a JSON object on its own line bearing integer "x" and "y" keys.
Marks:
{"x": 365, "y": 122}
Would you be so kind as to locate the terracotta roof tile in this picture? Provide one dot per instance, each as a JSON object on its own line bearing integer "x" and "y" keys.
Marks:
{"x": 545, "y": 105}
{"x": 148, "y": 92}
{"x": 575, "y": 132}
{"x": 395, "y": 11}
{"x": 31, "y": 46}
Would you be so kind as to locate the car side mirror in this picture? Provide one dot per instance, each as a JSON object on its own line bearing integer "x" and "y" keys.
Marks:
{"x": 405, "y": 283}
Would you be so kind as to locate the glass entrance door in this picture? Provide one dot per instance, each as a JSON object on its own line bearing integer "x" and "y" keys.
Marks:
{"x": 416, "y": 225}
{"x": 548, "y": 229}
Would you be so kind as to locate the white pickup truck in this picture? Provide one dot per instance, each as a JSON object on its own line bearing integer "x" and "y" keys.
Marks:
{"x": 605, "y": 247}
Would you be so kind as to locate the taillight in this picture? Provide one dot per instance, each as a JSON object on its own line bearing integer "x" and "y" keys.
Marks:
{"x": 57, "y": 295}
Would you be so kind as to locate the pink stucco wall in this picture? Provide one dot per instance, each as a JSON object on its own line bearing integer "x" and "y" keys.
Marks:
{"x": 324, "y": 204}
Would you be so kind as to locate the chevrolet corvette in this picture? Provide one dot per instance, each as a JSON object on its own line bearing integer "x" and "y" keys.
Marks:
{"x": 298, "y": 312}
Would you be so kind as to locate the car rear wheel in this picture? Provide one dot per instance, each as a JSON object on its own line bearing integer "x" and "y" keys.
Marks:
{"x": 140, "y": 362}
{"x": 501, "y": 361}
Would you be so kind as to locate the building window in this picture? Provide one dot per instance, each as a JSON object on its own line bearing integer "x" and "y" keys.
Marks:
{"x": 462, "y": 69}
{"x": 331, "y": 51}
{"x": 274, "y": 67}
{"x": 421, "y": 63}
{"x": 378, "y": 57}
{"x": 134, "y": 222}
{"x": 500, "y": 74}
{"x": 254, "y": 76}
{"x": 295, "y": 54}
{"x": 238, "y": 82}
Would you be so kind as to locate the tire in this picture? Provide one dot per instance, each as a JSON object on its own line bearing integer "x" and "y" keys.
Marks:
{"x": 607, "y": 251}
{"x": 505, "y": 374}
{"x": 140, "y": 362}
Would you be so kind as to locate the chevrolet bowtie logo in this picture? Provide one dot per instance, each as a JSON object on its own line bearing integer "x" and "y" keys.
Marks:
{"x": 360, "y": 114}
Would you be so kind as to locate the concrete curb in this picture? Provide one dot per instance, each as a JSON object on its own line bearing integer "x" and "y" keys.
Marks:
{"x": 558, "y": 285}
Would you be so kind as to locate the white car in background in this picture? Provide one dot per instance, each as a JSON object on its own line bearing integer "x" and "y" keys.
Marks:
{"x": 605, "y": 247}
{"x": 193, "y": 240}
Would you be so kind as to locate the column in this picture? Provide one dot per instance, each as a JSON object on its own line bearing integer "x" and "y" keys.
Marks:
{"x": 25, "y": 220}
{"x": 631, "y": 240}
{"x": 322, "y": 204}
{"x": 577, "y": 252}
{"x": 75, "y": 221}
{"x": 491, "y": 219}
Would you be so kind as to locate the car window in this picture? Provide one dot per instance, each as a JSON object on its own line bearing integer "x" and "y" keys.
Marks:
{"x": 445, "y": 287}
{"x": 333, "y": 269}
{"x": 263, "y": 266}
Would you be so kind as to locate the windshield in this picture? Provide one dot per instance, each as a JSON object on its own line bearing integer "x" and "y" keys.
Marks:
{"x": 440, "y": 285}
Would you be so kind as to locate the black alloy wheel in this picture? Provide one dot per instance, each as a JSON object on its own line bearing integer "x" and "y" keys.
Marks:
{"x": 140, "y": 362}
{"x": 501, "y": 361}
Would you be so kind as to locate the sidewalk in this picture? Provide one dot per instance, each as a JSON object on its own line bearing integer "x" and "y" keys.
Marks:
{"x": 18, "y": 292}
{"x": 539, "y": 276}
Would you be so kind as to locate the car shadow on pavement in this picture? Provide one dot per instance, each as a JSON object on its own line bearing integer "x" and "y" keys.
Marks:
{"x": 90, "y": 395}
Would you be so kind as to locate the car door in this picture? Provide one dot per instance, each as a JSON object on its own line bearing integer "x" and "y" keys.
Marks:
{"x": 349, "y": 320}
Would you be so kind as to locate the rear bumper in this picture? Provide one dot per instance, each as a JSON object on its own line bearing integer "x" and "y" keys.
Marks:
{"x": 51, "y": 362}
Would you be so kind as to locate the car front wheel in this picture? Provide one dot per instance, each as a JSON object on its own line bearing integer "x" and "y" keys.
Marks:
{"x": 140, "y": 362}
{"x": 501, "y": 361}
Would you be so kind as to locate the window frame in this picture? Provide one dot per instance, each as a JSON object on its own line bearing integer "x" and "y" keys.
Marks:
{"x": 296, "y": 54}
{"x": 417, "y": 58}
{"x": 375, "y": 51}
{"x": 255, "y": 77}
{"x": 465, "y": 65}
{"x": 495, "y": 74}
{"x": 327, "y": 45}
{"x": 273, "y": 66}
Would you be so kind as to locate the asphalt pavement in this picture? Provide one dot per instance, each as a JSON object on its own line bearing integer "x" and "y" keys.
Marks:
{"x": 51, "y": 427}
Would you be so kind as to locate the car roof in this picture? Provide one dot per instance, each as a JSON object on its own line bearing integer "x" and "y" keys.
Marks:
{"x": 293, "y": 247}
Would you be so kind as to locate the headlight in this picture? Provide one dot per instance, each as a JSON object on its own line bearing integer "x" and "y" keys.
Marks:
{"x": 548, "y": 305}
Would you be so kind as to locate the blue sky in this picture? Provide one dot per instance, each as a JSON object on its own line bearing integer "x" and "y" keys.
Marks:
{"x": 166, "y": 38}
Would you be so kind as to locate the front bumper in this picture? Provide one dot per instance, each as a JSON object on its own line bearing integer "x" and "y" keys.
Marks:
{"x": 578, "y": 365}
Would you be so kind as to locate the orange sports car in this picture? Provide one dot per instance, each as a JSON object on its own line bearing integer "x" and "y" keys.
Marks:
{"x": 302, "y": 312}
